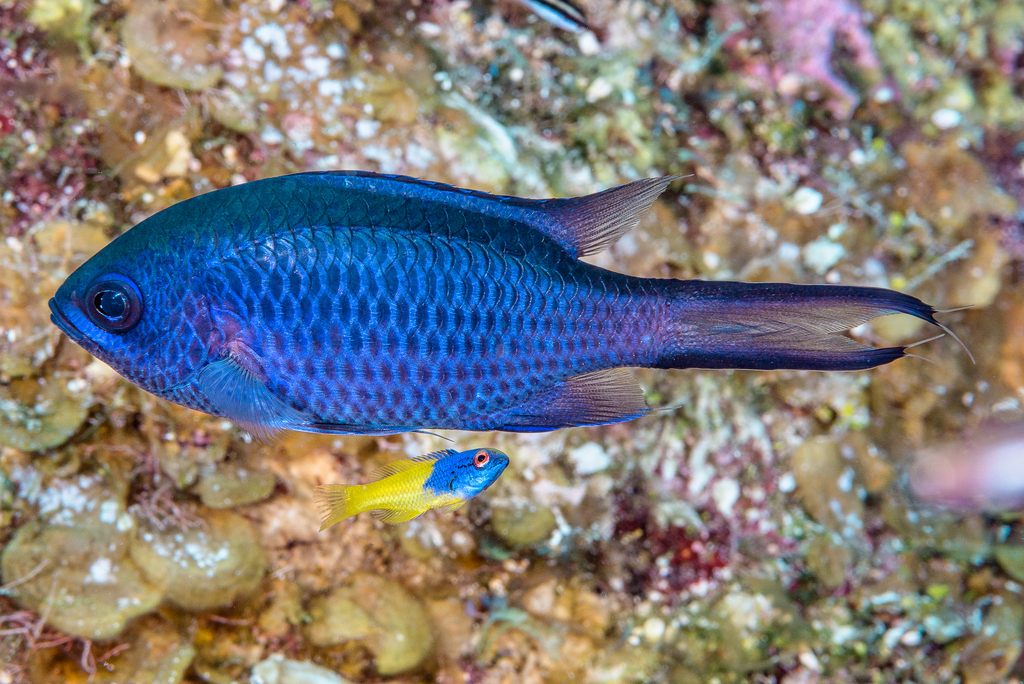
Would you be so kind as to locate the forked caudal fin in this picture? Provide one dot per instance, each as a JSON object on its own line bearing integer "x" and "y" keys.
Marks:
{"x": 763, "y": 326}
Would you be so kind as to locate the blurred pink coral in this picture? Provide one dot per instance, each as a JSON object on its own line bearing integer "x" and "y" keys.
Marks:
{"x": 804, "y": 34}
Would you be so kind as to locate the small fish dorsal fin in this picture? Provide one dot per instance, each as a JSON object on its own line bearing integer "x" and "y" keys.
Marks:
{"x": 589, "y": 224}
{"x": 395, "y": 467}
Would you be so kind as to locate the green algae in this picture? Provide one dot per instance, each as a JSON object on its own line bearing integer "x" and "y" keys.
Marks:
{"x": 523, "y": 525}
{"x": 230, "y": 485}
{"x": 169, "y": 44}
{"x": 378, "y": 613}
{"x": 208, "y": 566}
{"x": 80, "y": 577}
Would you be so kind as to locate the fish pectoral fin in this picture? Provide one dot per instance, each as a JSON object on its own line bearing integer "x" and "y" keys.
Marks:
{"x": 396, "y": 516}
{"x": 589, "y": 224}
{"x": 234, "y": 385}
{"x": 600, "y": 398}
{"x": 395, "y": 467}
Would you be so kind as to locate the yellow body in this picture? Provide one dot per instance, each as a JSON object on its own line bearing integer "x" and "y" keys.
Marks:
{"x": 396, "y": 498}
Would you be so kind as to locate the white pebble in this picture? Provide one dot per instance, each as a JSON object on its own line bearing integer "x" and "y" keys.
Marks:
{"x": 271, "y": 135}
{"x": 807, "y": 200}
{"x": 252, "y": 50}
{"x": 588, "y": 43}
{"x": 726, "y": 493}
{"x": 654, "y": 628}
{"x": 365, "y": 128}
{"x": 599, "y": 89}
{"x": 100, "y": 571}
{"x": 946, "y": 118}
{"x": 590, "y": 458}
{"x": 76, "y": 385}
{"x": 275, "y": 37}
{"x": 822, "y": 254}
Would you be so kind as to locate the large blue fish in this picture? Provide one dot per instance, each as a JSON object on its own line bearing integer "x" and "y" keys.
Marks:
{"x": 356, "y": 303}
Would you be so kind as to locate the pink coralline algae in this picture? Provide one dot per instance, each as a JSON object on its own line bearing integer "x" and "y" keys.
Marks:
{"x": 804, "y": 34}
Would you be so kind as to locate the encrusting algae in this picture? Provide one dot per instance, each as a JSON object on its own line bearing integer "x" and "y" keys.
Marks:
{"x": 768, "y": 527}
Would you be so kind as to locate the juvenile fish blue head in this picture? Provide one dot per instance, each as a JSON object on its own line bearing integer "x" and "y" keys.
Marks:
{"x": 466, "y": 473}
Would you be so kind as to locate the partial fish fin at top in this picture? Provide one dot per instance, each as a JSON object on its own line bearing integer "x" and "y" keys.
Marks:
{"x": 395, "y": 467}
{"x": 396, "y": 517}
{"x": 764, "y": 326}
{"x": 561, "y": 13}
{"x": 335, "y": 504}
{"x": 589, "y": 224}
{"x": 600, "y": 398}
{"x": 235, "y": 387}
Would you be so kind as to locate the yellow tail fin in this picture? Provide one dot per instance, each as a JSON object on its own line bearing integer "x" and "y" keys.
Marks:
{"x": 335, "y": 504}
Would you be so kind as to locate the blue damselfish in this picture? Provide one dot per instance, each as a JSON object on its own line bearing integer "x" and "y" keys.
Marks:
{"x": 356, "y": 303}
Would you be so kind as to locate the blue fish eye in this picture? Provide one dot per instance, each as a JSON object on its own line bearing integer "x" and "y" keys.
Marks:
{"x": 113, "y": 303}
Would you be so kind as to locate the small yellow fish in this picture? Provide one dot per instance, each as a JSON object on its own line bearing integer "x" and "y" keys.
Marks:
{"x": 409, "y": 488}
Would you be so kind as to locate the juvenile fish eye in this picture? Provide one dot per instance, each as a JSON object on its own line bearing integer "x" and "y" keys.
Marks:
{"x": 113, "y": 303}
{"x": 481, "y": 459}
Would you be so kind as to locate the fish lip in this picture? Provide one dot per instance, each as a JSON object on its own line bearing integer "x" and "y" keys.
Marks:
{"x": 60, "y": 320}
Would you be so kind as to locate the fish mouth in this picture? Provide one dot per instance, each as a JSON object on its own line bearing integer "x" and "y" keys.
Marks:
{"x": 58, "y": 318}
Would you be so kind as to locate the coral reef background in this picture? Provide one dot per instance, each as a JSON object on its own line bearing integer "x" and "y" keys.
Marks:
{"x": 759, "y": 529}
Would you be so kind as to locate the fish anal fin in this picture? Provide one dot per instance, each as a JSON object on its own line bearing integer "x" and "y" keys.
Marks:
{"x": 589, "y": 224}
{"x": 235, "y": 386}
{"x": 406, "y": 464}
{"x": 396, "y": 516}
{"x": 599, "y": 398}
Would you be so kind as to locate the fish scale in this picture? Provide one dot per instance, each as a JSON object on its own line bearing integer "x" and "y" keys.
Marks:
{"x": 359, "y": 303}
{"x": 388, "y": 279}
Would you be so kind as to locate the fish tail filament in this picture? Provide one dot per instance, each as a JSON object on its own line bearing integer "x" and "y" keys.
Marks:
{"x": 763, "y": 326}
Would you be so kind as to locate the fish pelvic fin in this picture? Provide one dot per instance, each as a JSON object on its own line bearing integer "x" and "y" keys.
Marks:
{"x": 764, "y": 326}
{"x": 336, "y": 502}
{"x": 453, "y": 506}
{"x": 599, "y": 398}
{"x": 589, "y": 224}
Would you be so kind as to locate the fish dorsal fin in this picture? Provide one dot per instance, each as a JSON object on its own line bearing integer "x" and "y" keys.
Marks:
{"x": 396, "y": 517}
{"x": 581, "y": 225}
{"x": 235, "y": 387}
{"x": 600, "y": 398}
{"x": 396, "y": 467}
{"x": 586, "y": 225}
